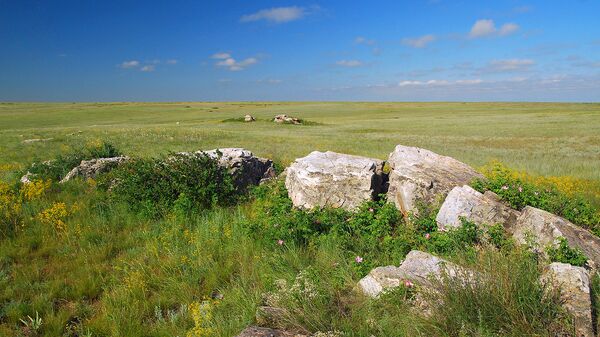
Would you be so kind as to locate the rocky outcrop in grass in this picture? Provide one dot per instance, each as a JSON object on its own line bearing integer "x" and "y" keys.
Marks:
{"x": 329, "y": 179}
{"x": 244, "y": 166}
{"x": 418, "y": 267}
{"x": 542, "y": 229}
{"x": 574, "y": 286}
{"x": 93, "y": 167}
{"x": 480, "y": 208}
{"x": 421, "y": 176}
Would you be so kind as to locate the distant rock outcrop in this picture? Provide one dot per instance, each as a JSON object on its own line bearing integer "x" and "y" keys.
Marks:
{"x": 285, "y": 119}
{"x": 419, "y": 175}
{"x": 480, "y": 208}
{"x": 332, "y": 179}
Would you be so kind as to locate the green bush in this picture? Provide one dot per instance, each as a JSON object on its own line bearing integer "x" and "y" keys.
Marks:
{"x": 58, "y": 167}
{"x": 520, "y": 190}
{"x": 181, "y": 183}
{"x": 565, "y": 254}
{"x": 375, "y": 234}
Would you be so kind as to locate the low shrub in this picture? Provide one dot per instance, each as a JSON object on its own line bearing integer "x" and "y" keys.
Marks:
{"x": 181, "y": 182}
{"x": 565, "y": 254}
{"x": 58, "y": 167}
{"x": 375, "y": 234}
{"x": 559, "y": 196}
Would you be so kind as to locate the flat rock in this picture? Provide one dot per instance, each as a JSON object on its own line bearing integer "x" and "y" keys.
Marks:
{"x": 418, "y": 267}
{"x": 574, "y": 284}
{"x": 543, "y": 229}
{"x": 480, "y": 208}
{"x": 245, "y": 168}
{"x": 334, "y": 180}
{"x": 254, "y": 331}
{"x": 419, "y": 175}
{"x": 91, "y": 168}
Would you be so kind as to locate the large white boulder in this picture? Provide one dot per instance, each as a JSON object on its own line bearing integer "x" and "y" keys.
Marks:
{"x": 93, "y": 167}
{"x": 574, "y": 284}
{"x": 334, "y": 180}
{"x": 421, "y": 175}
{"x": 418, "y": 267}
{"x": 480, "y": 208}
{"x": 543, "y": 229}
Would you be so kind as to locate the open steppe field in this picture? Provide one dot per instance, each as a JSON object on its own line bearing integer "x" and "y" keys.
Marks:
{"x": 165, "y": 245}
{"x": 540, "y": 138}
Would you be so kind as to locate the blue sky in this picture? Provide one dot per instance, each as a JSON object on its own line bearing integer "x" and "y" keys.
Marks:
{"x": 420, "y": 50}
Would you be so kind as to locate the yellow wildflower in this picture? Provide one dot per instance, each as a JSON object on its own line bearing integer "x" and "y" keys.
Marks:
{"x": 201, "y": 313}
{"x": 10, "y": 206}
{"x": 55, "y": 216}
{"x": 35, "y": 189}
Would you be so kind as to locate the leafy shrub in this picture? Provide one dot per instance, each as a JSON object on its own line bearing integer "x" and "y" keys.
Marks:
{"x": 565, "y": 254}
{"x": 181, "y": 181}
{"x": 497, "y": 237}
{"x": 375, "y": 234}
{"x": 552, "y": 195}
{"x": 57, "y": 168}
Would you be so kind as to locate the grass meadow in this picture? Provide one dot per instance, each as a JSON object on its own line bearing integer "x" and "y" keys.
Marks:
{"x": 81, "y": 263}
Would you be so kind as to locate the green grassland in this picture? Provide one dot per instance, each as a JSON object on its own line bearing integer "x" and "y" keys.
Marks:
{"x": 101, "y": 268}
{"x": 540, "y": 138}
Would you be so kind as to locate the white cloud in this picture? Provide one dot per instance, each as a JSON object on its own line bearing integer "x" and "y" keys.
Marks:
{"x": 436, "y": 83}
{"x": 130, "y": 64}
{"x": 473, "y": 81}
{"x": 364, "y": 40}
{"x": 508, "y": 28}
{"x": 270, "y": 81}
{"x": 419, "y": 42}
{"x": 486, "y": 27}
{"x": 148, "y": 68}
{"x": 231, "y": 64}
{"x": 276, "y": 15}
{"x": 482, "y": 28}
{"x": 349, "y": 63}
{"x": 509, "y": 65}
{"x": 221, "y": 56}
{"x": 172, "y": 61}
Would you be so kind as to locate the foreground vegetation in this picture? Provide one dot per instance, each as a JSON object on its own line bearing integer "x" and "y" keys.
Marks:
{"x": 167, "y": 257}
{"x": 173, "y": 257}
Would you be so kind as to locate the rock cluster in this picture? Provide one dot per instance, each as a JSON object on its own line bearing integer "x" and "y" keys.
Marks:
{"x": 285, "y": 119}
{"x": 421, "y": 176}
